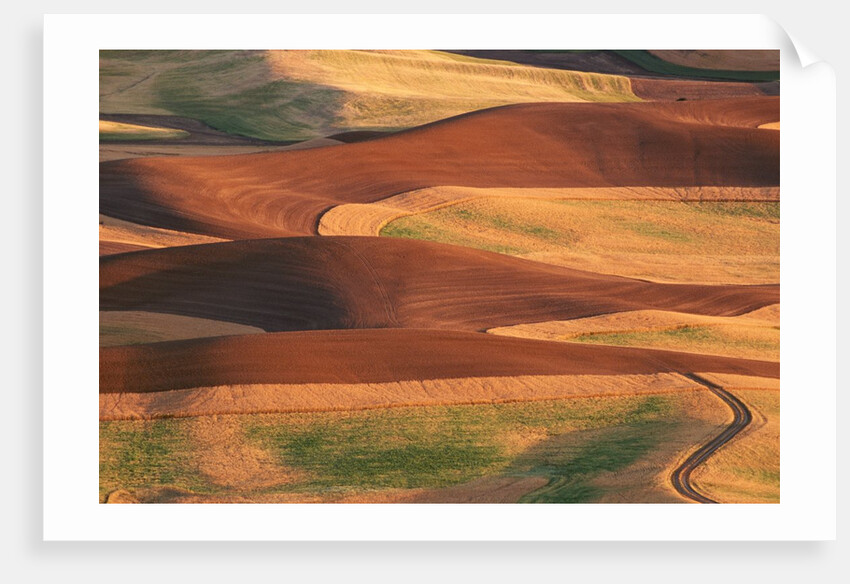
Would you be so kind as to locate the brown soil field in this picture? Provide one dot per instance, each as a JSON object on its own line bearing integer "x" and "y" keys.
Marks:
{"x": 323, "y": 397}
{"x": 135, "y": 327}
{"x": 110, "y": 151}
{"x": 108, "y": 247}
{"x": 359, "y": 135}
{"x": 370, "y": 218}
{"x": 366, "y": 282}
{"x": 380, "y": 355}
{"x": 729, "y": 60}
{"x": 676, "y": 89}
{"x": 527, "y": 145}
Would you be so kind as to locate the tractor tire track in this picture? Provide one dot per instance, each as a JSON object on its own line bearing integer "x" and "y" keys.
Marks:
{"x": 129, "y": 87}
{"x": 681, "y": 477}
{"x": 389, "y": 307}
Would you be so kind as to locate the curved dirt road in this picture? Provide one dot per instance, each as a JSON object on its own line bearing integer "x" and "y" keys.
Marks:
{"x": 682, "y": 475}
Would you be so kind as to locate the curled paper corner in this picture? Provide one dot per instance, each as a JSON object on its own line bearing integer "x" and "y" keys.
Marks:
{"x": 804, "y": 55}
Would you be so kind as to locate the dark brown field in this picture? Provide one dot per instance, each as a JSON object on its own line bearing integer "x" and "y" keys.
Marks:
{"x": 308, "y": 283}
{"x": 711, "y": 143}
{"x": 380, "y": 356}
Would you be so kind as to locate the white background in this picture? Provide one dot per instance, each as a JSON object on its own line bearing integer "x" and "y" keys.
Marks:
{"x": 22, "y": 54}
{"x": 71, "y": 297}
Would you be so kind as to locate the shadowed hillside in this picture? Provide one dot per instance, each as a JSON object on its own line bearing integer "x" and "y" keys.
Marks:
{"x": 534, "y": 145}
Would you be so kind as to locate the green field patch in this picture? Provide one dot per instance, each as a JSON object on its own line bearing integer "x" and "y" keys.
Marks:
{"x": 141, "y": 136}
{"x": 158, "y": 56}
{"x": 231, "y": 91}
{"x": 508, "y": 224}
{"x": 672, "y": 241}
{"x": 256, "y": 94}
{"x": 648, "y": 229}
{"x": 654, "y": 64}
{"x": 766, "y": 210}
{"x": 572, "y": 461}
{"x": 694, "y": 338}
{"x": 691, "y": 333}
{"x": 384, "y": 449}
{"x": 143, "y": 454}
{"x": 446, "y": 445}
{"x": 111, "y": 335}
{"x": 571, "y": 443}
{"x": 457, "y": 225}
{"x": 576, "y": 444}
{"x": 571, "y": 470}
{"x": 276, "y": 110}
{"x": 413, "y": 227}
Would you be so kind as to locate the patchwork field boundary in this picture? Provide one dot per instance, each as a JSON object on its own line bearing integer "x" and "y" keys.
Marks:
{"x": 317, "y": 397}
{"x": 370, "y": 218}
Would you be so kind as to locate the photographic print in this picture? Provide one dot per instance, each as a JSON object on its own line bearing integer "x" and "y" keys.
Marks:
{"x": 439, "y": 276}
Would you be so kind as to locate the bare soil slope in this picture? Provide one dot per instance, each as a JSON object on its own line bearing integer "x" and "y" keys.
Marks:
{"x": 363, "y": 356}
{"x": 712, "y": 143}
{"x": 693, "y": 89}
{"x": 363, "y": 282}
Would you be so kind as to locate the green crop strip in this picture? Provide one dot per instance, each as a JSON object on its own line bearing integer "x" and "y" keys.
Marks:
{"x": 653, "y": 64}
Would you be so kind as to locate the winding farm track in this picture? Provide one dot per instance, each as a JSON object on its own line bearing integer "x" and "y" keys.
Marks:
{"x": 681, "y": 477}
